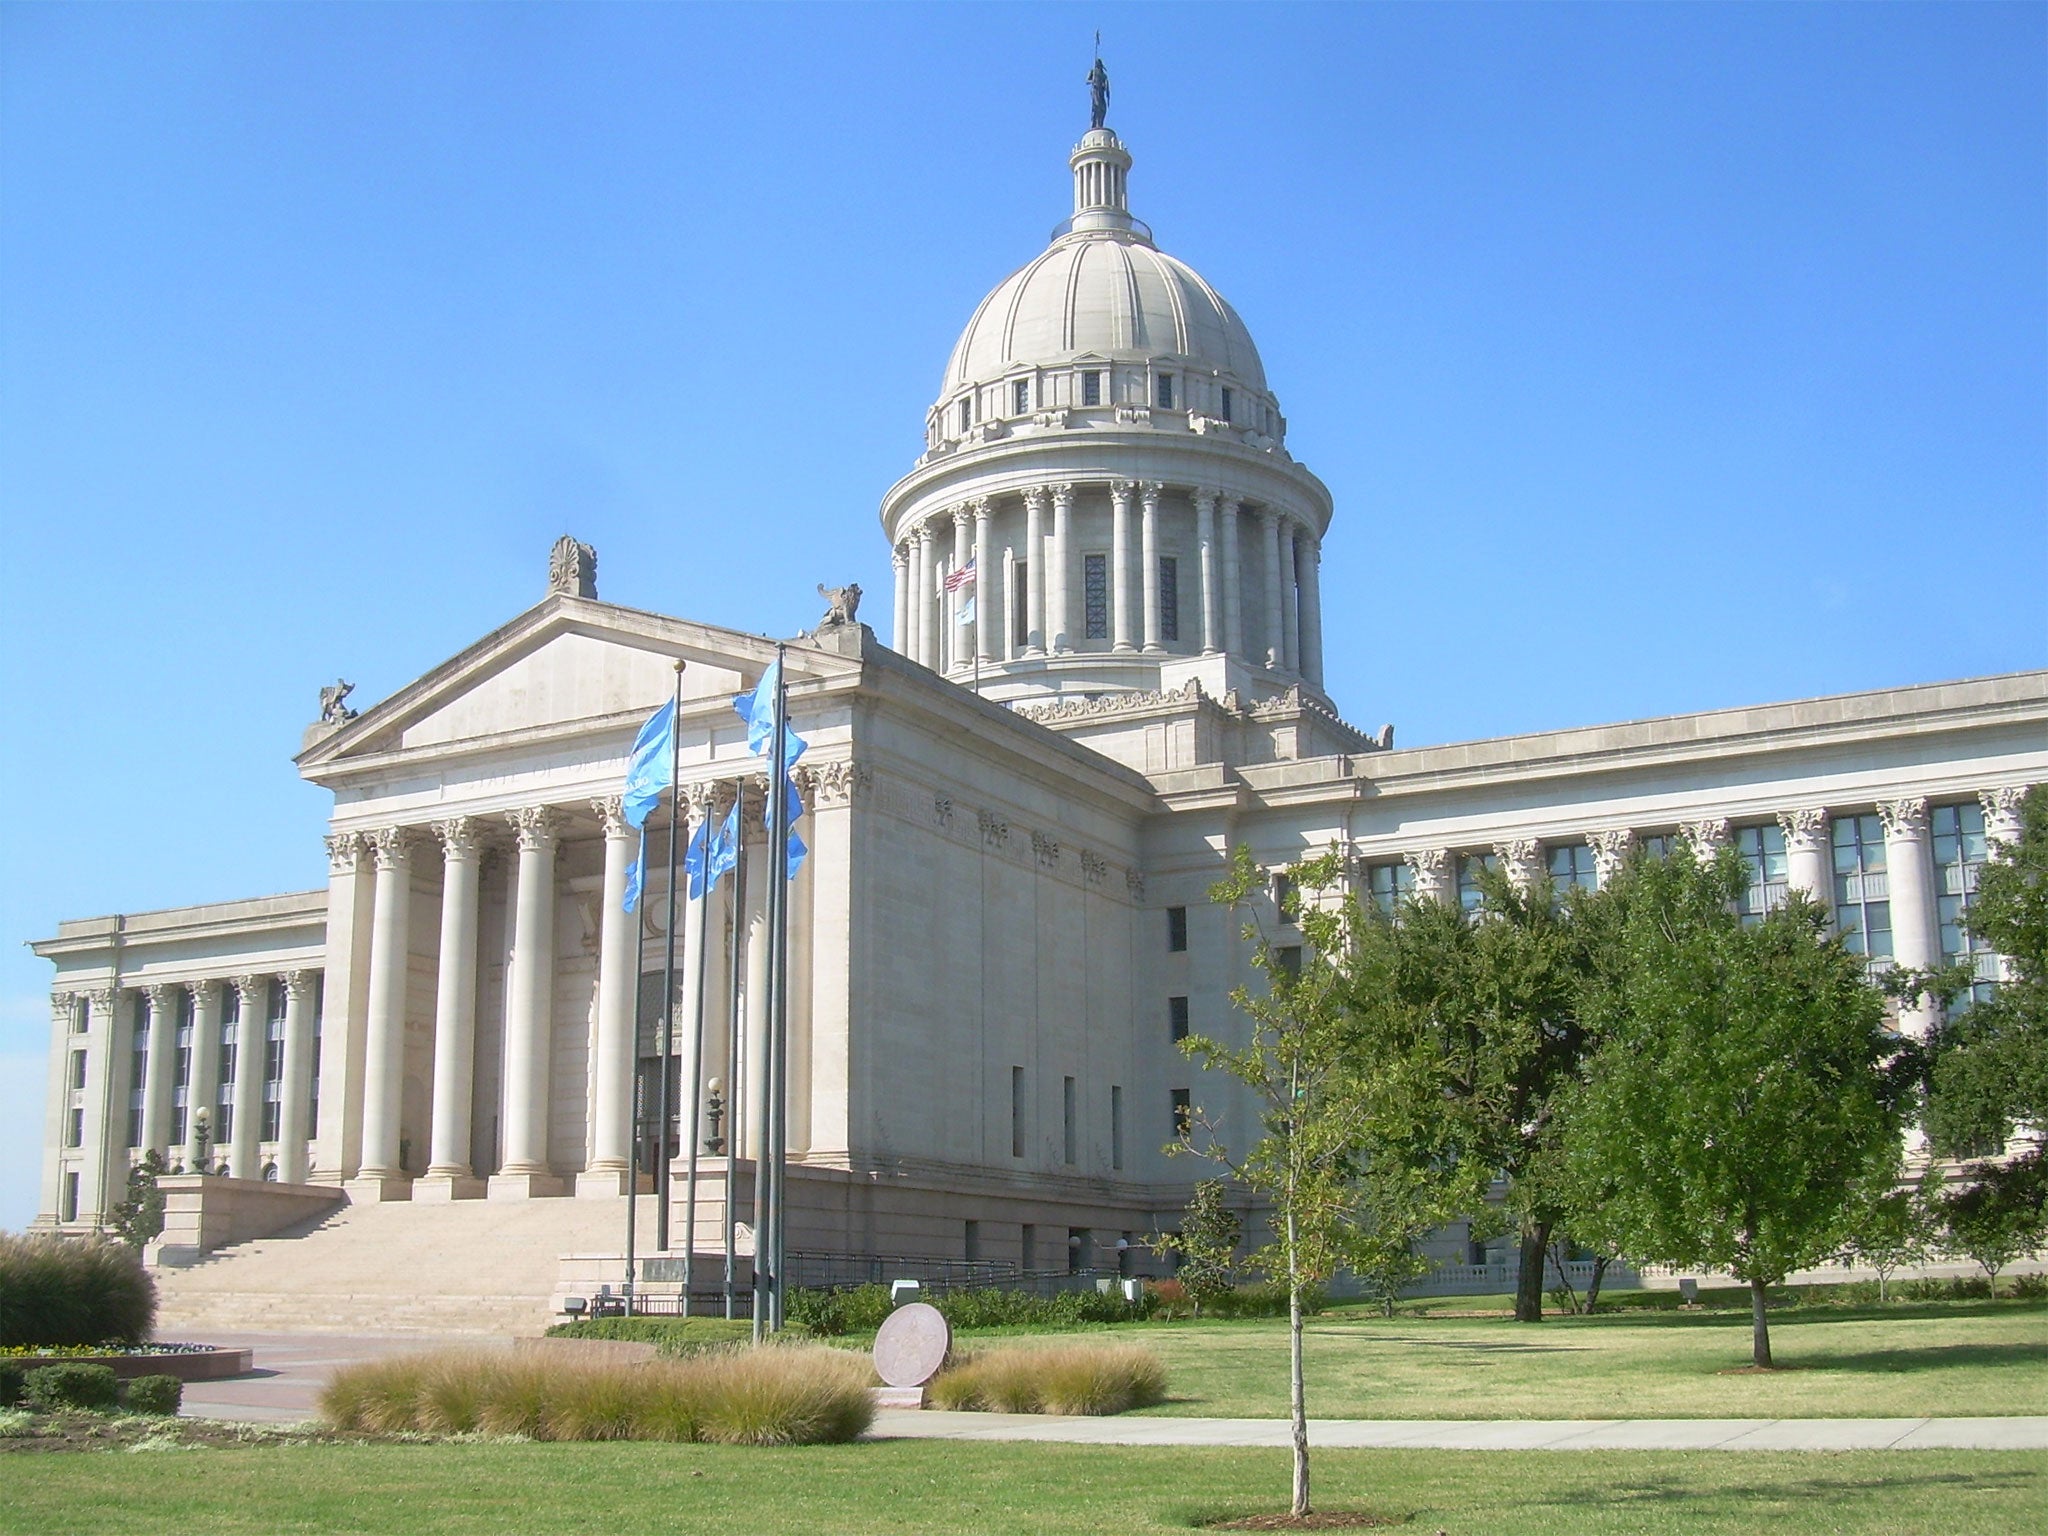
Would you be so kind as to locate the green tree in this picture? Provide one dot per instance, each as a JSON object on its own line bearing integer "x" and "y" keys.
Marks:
{"x": 139, "y": 1217}
{"x": 1345, "y": 1076}
{"x": 1206, "y": 1245}
{"x": 1891, "y": 1226}
{"x": 1996, "y": 1216}
{"x": 1744, "y": 1087}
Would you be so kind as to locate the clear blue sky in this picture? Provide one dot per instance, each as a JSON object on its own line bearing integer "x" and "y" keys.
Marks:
{"x": 1659, "y": 357}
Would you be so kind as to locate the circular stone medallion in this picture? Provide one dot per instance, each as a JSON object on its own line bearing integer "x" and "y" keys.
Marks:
{"x": 912, "y": 1344}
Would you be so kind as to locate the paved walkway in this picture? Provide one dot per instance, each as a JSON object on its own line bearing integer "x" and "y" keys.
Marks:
{"x": 292, "y": 1367}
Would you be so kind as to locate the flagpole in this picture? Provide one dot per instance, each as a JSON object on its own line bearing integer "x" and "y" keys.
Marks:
{"x": 778, "y": 993}
{"x": 634, "y": 1120}
{"x": 664, "y": 1109}
{"x": 734, "y": 1096}
{"x": 697, "y": 1074}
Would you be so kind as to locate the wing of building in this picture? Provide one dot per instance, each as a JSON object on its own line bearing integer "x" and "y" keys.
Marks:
{"x": 1105, "y": 670}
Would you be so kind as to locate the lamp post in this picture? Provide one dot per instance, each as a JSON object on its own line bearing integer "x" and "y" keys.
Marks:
{"x": 714, "y": 1109}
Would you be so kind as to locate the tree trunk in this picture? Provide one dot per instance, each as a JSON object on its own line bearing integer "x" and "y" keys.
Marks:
{"x": 1759, "y": 1328}
{"x": 1599, "y": 1273}
{"x": 1297, "y": 1395}
{"x": 1529, "y": 1285}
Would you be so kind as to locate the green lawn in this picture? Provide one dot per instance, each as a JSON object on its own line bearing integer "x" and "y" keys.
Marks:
{"x": 1960, "y": 1358}
{"x": 905, "y": 1487}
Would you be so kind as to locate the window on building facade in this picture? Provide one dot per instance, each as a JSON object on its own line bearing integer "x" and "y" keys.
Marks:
{"x": 1656, "y": 845}
{"x": 1763, "y": 855}
{"x": 1016, "y": 1111}
{"x": 1020, "y": 396}
{"x": 1469, "y": 867}
{"x": 1069, "y": 1132}
{"x": 1095, "y": 595}
{"x": 1020, "y": 607}
{"x": 81, "y": 1015}
{"x": 70, "y": 1206}
{"x": 138, "y": 1079}
{"x": 77, "y": 1070}
{"x": 1226, "y": 402}
{"x": 1390, "y": 885}
{"x": 313, "y": 1088}
{"x": 1177, "y": 930}
{"x": 1286, "y": 899}
{"x": 1116, "y": 1126}
{"x": 1959, "y": 851}
{"x": 1183, "y": 1113}
{"x": 1863, "y": 908}
{"x": 1176, "y": 1018}
{"x": 1169, "y": 598}
{"x": 1091, "y": 387}
{"x": 1571, "y": 868}
{"x": 967, "y": 413}
{"x": 273, "y": 1064}
{"x": 74, "y": 1126}
{"x": 1287, "y": 960}
{"x": 1164, "y": 387}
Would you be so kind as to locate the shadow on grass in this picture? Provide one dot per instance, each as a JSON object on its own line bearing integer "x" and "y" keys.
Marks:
{"x": 1735, "y": 1499}
{"x": 1932, "y": 1357}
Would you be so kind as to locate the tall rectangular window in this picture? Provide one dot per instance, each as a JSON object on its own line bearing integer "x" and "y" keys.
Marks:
{"x": 1183, "y": 1113}
{"x": 1095, "y": 595}
{"x": 1091, "y": 387}
{"x": 77, "y": 1070}
{"x": 1169, "y": 598}
{"x": 1177, "y": 1018}
{"x": 1226, "y": 403}
{"x": 1020, "y": 605}
{"x": 313, "y": 1088}
{"x": 230, "y": 1065}
{"x": 1016, "y": 1111}
{"x": 1116, "y": 1126}
{"x": 1763, "y": 856}
{"x": 81, "y": 1015}
{"x": 1655, "y": 845}
{"x": 1286, "y": 899}
{"x": 70, "y": 1210}
{"x": 74, "y": 1127}
{"x": 138, "y": 1073}
{"x": 966, "y": 413}
{"x": 1287, "y": 961}
{"x": 1020, "y": 396}
{"x": 1863, "y": 907}
{"x": 1391, "y": 885}
{"x": 1959, "y": 853}
{"x": 1164, "y": 395}
{"x": 970, "y": 1240}
{"x": 1469, "y": 866}
{"x": 181, "y": 1075}
{"x": 1177, "y": 930}
{"x": 1571, "y": 868}
{"x": 1068, "y": 1130}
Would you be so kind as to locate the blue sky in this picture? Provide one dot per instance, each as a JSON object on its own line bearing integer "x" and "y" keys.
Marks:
{"x": 1659, "y": 357}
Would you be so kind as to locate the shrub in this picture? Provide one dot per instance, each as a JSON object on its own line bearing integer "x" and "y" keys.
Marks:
{"x": 676, "y": 1336}
{"x": 10, "y": 1384}
{"x": 1065, "y": 1378}
{"x": 826, "y": 1314}
{"x": 56, "y": 1290}
{"x": 72, "y": 1385}
{"x": 1264, "y": 1298}
{"x": 154, "y": 1394}
{"x": 768, "y": 1396}
{"x": 2030, "y": 1287}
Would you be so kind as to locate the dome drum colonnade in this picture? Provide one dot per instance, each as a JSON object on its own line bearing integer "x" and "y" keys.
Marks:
{"x": 1106, "y": 455}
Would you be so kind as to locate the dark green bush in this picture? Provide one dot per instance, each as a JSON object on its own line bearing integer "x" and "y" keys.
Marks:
{"x": 1263, "y": 1298}
{"x": 826, "y": 1314}
{"x": 676, "y": 1336}
{"x": 10, "y": 1383}
{"x": 59, "y": 1290}
{"x": 72, "y": 1385}
{"x": 2030, "y": 1287}
{"x": 154, "y": 1394}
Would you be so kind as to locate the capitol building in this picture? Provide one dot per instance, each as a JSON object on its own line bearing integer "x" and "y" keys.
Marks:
{"x": 1103, "y": 670}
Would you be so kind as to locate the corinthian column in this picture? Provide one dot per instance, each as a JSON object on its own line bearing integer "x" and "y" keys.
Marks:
{"x": 1120, "y": 564}
{"x": 1205, "y": 541}
{"x": 1066, "y": 576}
{"x": 295, "y": 1093}
{"x": 529, "y": 1013}
{"x": 1233, "y": 580}
{"x": 1522, "y": 858}
{"x": 449, "y": 1175}
{"x": 618, "y": 972}
{"x": 1909, "y": 883}
{"x": 1432, "y": 868}
{"x": 381, "y": 1177}
{"x": 1290, "y": 597}
{"x": 1806, "y": 853}
{"x": 202, "y": 1083}
{"x": 1036, "y": 551}
{"x": 1311, "y": 551}
{"x": 983, "y": 580}
{"x": 899, "y": 562}
{"x": 252, "y": 1051}
{"x": 956, "y": 651}
{"x": 1148, "y": 502}
{"x": 1269, "y": 535}
{"x": 164, "y": 1002}
{"x": 921, "y": 597}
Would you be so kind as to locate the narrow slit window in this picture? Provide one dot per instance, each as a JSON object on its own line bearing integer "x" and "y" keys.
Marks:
{"x": 1164, "y": 391}
{"x": 1020, "y": 397}
{"x": 1169, "y": 598}
{"x": 1095, "y": 593}
{"x": 1091, "y": 387}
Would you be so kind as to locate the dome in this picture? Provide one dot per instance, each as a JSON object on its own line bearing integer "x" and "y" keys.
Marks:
{"x": 1109, "y": 294}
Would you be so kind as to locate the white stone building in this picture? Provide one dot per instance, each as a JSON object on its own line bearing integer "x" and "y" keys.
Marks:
{"x": 1002, "y": 927}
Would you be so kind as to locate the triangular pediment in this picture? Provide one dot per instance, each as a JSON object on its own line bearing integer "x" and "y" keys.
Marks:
{"x": 566, "y": 661}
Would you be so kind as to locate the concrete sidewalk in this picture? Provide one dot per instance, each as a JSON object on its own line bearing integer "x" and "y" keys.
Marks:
{"x": 2001, "y": 1434}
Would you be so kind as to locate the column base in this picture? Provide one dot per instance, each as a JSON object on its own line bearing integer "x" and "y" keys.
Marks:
{"x": 439, "y": 1188}
{"x": 375, "y": 1188}
{"x": 608, "y": 1184}
{"x": 526, "y": 1186}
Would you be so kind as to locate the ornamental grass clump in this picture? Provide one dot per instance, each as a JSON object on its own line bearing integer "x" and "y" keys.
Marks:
{"x": 764, "y": 1396}
{"x": 61, "y": 1290}
{"x": 1064, "y": 1378}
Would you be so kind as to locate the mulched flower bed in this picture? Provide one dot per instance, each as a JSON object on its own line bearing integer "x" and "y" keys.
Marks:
{"x": 31, "y": 1434}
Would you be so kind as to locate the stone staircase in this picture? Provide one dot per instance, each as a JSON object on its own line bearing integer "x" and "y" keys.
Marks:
{"x": 471, "y": 1266}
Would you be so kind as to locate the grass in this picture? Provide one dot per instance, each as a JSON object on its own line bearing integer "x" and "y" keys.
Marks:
{"x": 1958, "y": 1358}
{"x": 910, "y": 1487}
{"x": 1053, "y": 1378}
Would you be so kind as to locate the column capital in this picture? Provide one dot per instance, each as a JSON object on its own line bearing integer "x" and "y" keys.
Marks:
{"x": 2002, "y": 811}
{"x": 1904, "y": 819}
{"x": 103, "y": 1000}
{"x": 1062, "y": 495}
{"x": 1610, "y": 850}
{"x": 344, "y": 852}
{"x": 611, "y": 812}
{"x": 462, "y": 838}
{"x": 1522, "y": 858}
{"x": 1035, "y": 497}
{"x": 299, "y": 984}
{"x": 163, "y": 997}
{"x": 205, "y": 993}
{"x": 963, "y": 514}
{"x": 64, "y": 1009}
{"x": 1707, "y": 836}
{"x": 922, "y": 533}
{"x": 1269, "y": 518}
{"x": 252, "y": 992}
{"x": 836, "y": 783}
{"x": 1432, "y": 866}
{"x": 1123, "y": 490}
{"x": 1148, "y": 494}
{"x": 899, "y": 555}
{"x": 535, "y": 826}
{"x": 1205, "y": 498}
{"x": 393, "y": 847}
{"x": 1805, "y": 829}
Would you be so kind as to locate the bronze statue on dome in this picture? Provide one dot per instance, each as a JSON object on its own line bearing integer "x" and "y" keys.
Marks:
{"x": 1098, "y": 92}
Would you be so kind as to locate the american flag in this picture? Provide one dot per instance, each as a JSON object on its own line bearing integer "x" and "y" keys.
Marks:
{"x": 964, "y": 577}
